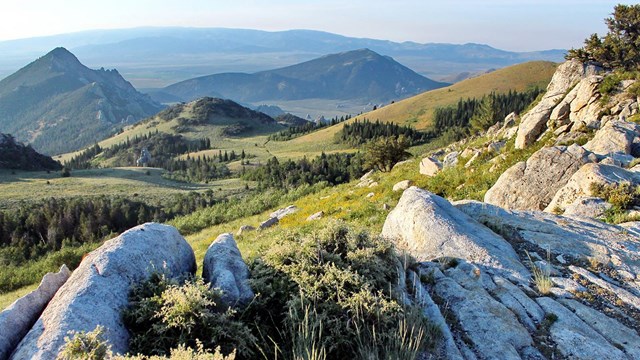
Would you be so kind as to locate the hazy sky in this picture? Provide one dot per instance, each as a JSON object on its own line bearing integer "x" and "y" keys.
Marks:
{"x": 507, "y": 24}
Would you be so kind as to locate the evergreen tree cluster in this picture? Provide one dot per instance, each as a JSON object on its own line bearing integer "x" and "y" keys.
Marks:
{"x": 361, "y": 132}
{"x": 620, "y": 47}
{"x": 333, "y": 168}
{"x": 199, "y": 169}
{"x": 477, "y": 115}
{"x": 162, "y": 147}
{"x": 14, "y": 155}
{"x": 293, "y": 132}
{"x": 33, "y": 230}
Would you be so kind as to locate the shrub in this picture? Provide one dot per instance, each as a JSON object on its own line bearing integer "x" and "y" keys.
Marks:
{"x": 86, "y": 346}
{"x": 165, "y": 314}
{"x": 185, "y": 353}
{"x": 381, "y": 154}
{"x": 347, "y": 277}
{"x": 621, "y": 195}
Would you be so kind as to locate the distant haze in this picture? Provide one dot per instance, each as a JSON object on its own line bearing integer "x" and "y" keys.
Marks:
{"x": 522, "y": 25}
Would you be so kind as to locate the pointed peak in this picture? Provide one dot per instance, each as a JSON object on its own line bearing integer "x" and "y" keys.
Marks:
{"x": 61, "y": 56}
{"x": 60, "y": 52}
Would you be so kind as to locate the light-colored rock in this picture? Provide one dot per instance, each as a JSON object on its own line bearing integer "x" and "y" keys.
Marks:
{"x": 245, "y": 229}
{"x": 402, "y": 185}
{"x": 19, "y": 317}
{"x": 368, "y": 175}
{"x": 588, "y": 207}
{"x": 615, "y": 136}
{"x": 560, "y": 114}
{"x": 451, "y": 159}
{"x": 586, "y": 108}
{"x": 578, "y": 186}
{"x": 468, "y": 152}
{"x": 224, "y": 269}
{"x": 567, "y": 284}
{"x": 493, "y": 330}
{"x": 574, "y": 338}
{"x": 432, "y": 312}
{"x": 618, "y": 107}
{"x": 509, "y": 133}
{"x": 532, "y": 184}
{"x": 561, "y": 129}
{"x": 575, "y": 238}
{"x": 98, "y": 289}
{"x": 429, "y": 227}
{"x": 496, "y": 147}
{"x": 400, "y": 163}
{"x": 430, "y": 166}
{"x": 510, "y": 120}
{"x": 621, "y": 293}
{"x": 317, "y": 216}
{"x": 281, "y": 213}
{"x": 373, "y": 184}
{"x": 472, "y": 160}
{"x": 527, "y": 310}
{"x": 534, "y": 122}
{"x": 370, "y": 195}
{"x": 366, "y": 179}
{"x": 386, "y": 207}
{"x": 268, "y": 223}
{"x": 618, "y": 159}
{"x": 620, "y": 336}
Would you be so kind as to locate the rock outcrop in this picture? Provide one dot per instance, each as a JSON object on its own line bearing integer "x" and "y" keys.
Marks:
{"x": 615, "y": 136}
{"x": 268, "y": 223}
{"x": 573, "y": 238}
{"x": 224, "y": 269}
{"x": 19, "y": 317}
{"x": 534, "y": 122}
{"x": 580, "y": 182}
{"x": 430, "y": 166}
{"x": 484, "y": 315}
{"x": 281, "y": 213}
{"x": 531, "y": 184}
{"x": 245, "y": 229}
{"x": 429, "y": 227}
{"x": 402, "y": 185}
{"x": 98, "y": 289}
{"x": 587, "y": 207}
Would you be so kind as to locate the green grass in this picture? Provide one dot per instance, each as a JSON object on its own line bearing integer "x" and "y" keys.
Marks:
{"x": 128, "y": 182}
{"x": 7, "y": 299}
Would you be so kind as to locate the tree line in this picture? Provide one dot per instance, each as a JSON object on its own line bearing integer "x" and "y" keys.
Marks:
{"x": 361, "y": 132}
{"x": 161, "y": 146}
{"x": 331, "y": 168}
{"x": 474, "y": 115}
{"x": 33, "y": 230}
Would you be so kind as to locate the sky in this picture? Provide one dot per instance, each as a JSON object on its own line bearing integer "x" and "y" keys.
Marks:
{"x": 517, "y": 25}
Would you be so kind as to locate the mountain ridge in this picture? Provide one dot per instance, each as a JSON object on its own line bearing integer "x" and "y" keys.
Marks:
{"x": 57, "y": 104}
{"x": 216, "y": 50}
{"x": 357, "y": 74}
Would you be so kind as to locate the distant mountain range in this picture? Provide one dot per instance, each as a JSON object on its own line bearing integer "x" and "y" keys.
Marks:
{"x": 156, "y": 57}
{"x": 360, "y": 74}
{"x": 58, "y": 105}
{"x": 17, "y": 156}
